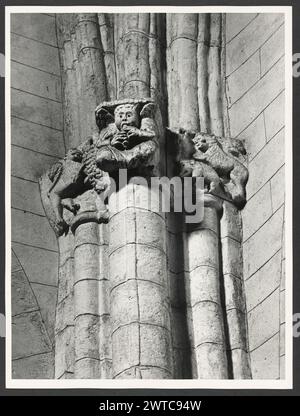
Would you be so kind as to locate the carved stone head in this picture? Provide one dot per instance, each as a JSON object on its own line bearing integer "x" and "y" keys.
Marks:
{"x": 126, "y": 115}
{"x": 203, "y": 141}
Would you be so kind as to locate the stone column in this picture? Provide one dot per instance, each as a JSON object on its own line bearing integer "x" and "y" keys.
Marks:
{"x": 141, "y": 336}
{"x": 202, "y": 276}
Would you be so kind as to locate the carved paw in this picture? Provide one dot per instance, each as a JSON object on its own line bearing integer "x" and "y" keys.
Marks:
{"x": 70, "y": 205}
{"x": 62, "y": 226}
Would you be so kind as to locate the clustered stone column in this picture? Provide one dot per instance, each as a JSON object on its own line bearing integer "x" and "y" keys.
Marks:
{"x": 146, "y": 295}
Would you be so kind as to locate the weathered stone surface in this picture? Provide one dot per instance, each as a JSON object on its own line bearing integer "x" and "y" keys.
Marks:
{"x": 30, "y": 228}
{"x": 15, "y": 264}
{"x": 236, "y": 320}
{"x": 125, "y": 351}
{"x": 40, "y": 265}
{"x": 263, "y": 27}
{"x": 278, "y": 188}
{"x": 263, "y": 282}
{"x": 236, "y": 22}
{"x": 254, "y": 137}
{"x": 29, "y": 335}
{"x": 34, "y": 136}
{"x": 37, "y": 26}
{"x": 23, "y": 299}
{"x": 231, "y": 223}
{"x": 265, "y": 360}
{"x": 47, "y": 298}
{"x": 240, "y": 81}
{"x": 260, "y": 330}
{"x": 210, "y": 356}
{"x": 272, "y": 50}
{"x": 257, "y": 211}
{"x": 29, "y": 165}
{"x": 234, "y": 292}
{"x": 36, "y": 82}
{"x": 36, "y": 109}
{"x": 35, "y": 54}
{"x": 202, "y": 249}
{"x": 202, "y": 285}
{"x": 257, "y": 99}
{"x": 64, "y": 351}
{"x": 259, "y": 248}
{"x": 264, "y": 166}
{"x": 232, "y": 257}
{"x": 25, "y": 196}
{"x": 205, "y": 316}
{"x": 39, "y": 366}
{"x": 282, "y": 339}
{"x": 275, "y": 116}
{"x": 241, "y": 364}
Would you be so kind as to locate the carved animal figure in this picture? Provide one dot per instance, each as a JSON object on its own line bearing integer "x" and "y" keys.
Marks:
{"x": 209, "y": 150}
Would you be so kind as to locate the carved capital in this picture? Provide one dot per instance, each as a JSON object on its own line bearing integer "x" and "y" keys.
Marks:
{"x": 127, "y": 139}
{"x": 217, "y": 159}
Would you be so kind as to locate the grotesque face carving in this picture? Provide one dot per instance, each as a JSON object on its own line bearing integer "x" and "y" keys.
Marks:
{"x": 126, "y": 115}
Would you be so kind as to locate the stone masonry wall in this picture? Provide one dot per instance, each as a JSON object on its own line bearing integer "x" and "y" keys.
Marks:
{"x": 37, "y": 142}
{"x": 255, "y": 96}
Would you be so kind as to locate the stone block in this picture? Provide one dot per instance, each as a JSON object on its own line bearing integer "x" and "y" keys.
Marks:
{"x": 36, "y": 137}
{"x": 46, "y": 297}
{"x": 32, "y": 229}
{"x": 231, "y": 223}
{"x": 64, "y": 352}
{"x": 38, "y": 110}
{"x": 64, "y": 314}
{"x": 86, "y": 234}
{"x": 240, "y": 81}
{"x": 202, "y": 284}
{"x": 265, "y": 360}
{"x": 22, "y": 297}
{"x": 41, "y": 266}
{"x": 245, "y": 44}
{"x": 263, "y": 282}
{"x": 29, "y": 335}
{"x": 263, "y": 167}
{"x": 39, "y": 366}
{"x": 25, "y": 195}
{"x": 85, "y": 268}
{"x": 201, "y": 249}
{"x": 237, "y": 329}
{"x": 278, "y": 189}
{"x": 87, "y": 368}
{"x": 275, "y": 116}
{"x": 86, "y": 337}
{"x": 104, "y": 297}
{"x": 35, "y": 54}
{"x": 232, "y": 257}
{"x": 207, "y": 317}
{"x": 125, "y": 348}
{"x": 124, "y": 304}
{"x": 240, "y": 364}
{"x": 153, "y": 304}
{"x": 86, "y": 297}
{"x": 236, "y": 22}
{"x": 210, "y": 356}
{"x": 234, "y": 293}
{"x": 27, "y": 164}
{"x": 257, "y": 211}
{"x": 249, "y": 107}
{"x": 282, "y": 279}
{"x": 254, "y": 137}
{"x": 272, "y": 50}
{"x": 263, "y": 321}
{"x": 36, "y": 82}
{"x": 155, "y": 347}
{"x": 259, "y": 248}
{"x": 37, "y": 26}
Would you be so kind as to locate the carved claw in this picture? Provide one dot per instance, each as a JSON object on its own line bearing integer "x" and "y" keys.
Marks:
{"x": 70, "y": 205}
